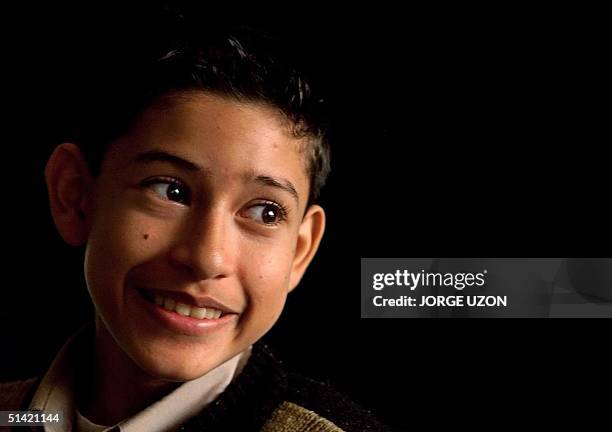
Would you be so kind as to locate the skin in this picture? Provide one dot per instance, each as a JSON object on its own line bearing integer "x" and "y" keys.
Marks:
{"x": 217, "y": 242}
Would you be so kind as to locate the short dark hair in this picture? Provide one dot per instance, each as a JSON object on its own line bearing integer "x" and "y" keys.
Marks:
{"x": 241, "y": 63}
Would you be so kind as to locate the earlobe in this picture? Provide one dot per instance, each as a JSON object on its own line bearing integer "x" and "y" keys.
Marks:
{"x": 309, "y": 237}
{"x": 69, "y": 183}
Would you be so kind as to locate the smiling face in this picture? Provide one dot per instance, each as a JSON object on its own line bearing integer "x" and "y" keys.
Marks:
{"x": 202, "y": 203}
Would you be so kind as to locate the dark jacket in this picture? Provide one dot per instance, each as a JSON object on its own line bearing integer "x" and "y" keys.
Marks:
{"x": 264, "y": 397}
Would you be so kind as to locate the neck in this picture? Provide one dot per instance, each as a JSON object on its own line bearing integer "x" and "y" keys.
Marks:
{"x": 121, "y": 390}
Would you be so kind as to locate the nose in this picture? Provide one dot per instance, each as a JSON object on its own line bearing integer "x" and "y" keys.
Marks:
{"x": 206, "y": 247}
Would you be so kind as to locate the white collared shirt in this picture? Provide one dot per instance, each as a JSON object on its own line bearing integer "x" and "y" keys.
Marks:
{"x": 56, "y": 393}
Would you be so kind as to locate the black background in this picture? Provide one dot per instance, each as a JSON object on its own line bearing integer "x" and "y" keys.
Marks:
{"x": 456, "y": 132}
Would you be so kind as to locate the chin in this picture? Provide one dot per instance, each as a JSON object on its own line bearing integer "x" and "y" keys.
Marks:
{"x": 177, "y": 368}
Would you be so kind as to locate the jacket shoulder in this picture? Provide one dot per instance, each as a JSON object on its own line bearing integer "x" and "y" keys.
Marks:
{"x": 14, "y": 394}
{"x": 292, "y": 417}
{"x": 330, "y": 405}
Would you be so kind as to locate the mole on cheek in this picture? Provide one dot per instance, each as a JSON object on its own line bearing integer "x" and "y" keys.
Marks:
{"x": 146, "y": 236}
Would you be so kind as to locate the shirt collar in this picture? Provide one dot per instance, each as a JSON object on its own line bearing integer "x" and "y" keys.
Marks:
{"x": 56, "y": 391}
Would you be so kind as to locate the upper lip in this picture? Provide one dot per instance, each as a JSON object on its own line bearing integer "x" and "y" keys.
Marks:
{"x": 194, "y": 301}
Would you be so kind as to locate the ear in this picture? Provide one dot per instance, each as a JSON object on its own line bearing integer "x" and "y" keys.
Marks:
{"x": 69, "y": 182}
{"x": 309, "y": 237}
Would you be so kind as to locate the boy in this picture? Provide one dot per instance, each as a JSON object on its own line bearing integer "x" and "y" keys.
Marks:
{"x": 194, "y": 196}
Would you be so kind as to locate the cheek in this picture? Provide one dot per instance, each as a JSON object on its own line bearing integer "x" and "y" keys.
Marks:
{"x": 119, "y": 242}
{"x": 266, "y": 281}
{"x": 271, "y": 266}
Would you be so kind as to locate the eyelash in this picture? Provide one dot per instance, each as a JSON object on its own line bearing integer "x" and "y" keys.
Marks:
{"x": 148, "y": 183}
{"x": 283, "y": 211}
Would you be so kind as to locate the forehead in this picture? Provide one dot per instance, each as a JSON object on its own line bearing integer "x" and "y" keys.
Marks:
{"x": 227, "y": 137}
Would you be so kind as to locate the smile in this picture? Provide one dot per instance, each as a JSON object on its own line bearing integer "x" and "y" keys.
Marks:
{"x": 171, "y": 305}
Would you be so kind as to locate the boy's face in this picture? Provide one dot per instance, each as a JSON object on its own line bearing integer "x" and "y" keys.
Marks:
{"x": 202, "y": 202}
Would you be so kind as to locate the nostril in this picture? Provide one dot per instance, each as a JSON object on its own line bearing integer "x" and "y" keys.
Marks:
{"x": 203, "y": 260}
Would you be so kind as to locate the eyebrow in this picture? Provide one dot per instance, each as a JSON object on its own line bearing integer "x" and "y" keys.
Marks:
{"x": 279, "y": 183}
{"x": 181, "y": 162}
{"x": 162, "y": 156}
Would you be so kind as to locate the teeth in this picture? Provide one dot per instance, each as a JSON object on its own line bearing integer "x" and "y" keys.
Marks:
{"x": 186, "y": 310}
{"x": 199, "y": 313}
{"x": 183, "y": 309}
{"x": 169, "y": 304}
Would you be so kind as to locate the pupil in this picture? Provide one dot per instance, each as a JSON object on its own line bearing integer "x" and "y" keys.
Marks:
{"x": 269, "y": 214}
{"x": 175, "y": 194}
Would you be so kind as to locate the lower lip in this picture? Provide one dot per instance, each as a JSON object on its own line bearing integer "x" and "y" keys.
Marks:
{"x": 185, "y": 325}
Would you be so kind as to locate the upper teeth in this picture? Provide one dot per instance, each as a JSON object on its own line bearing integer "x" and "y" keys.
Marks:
{"x": 186, "y": 310}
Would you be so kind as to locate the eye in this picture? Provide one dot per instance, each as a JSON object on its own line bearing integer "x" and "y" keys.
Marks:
{"x": 268, "y": 213}
{"x": 169, "y": 189}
